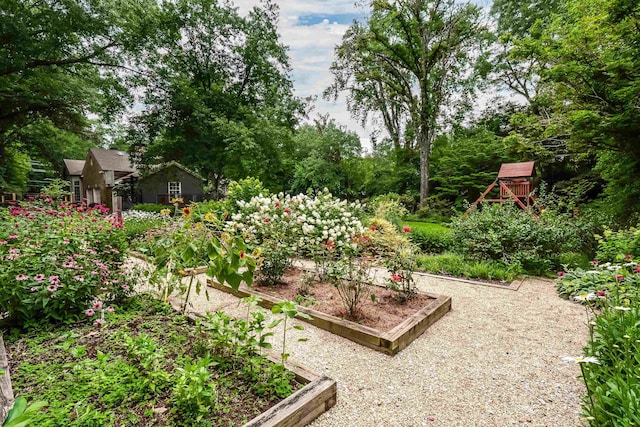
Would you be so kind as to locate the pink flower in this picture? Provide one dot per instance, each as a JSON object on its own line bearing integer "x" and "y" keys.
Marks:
{"x": 627, "y": 256}
{"x": 396, "y": 277}
{"x": 561, "y": 273}
{"x": 14, "y": 251}
{"x": 12, "y": 256}
{"x": 267, "y": 220}
{"x": 89, "y": 312}
{"x": 79, "y": 278}
{"x": 637, "y": 270}
{"x": 38, "y": 277}
{"x": 619, "y": 277}
{"x": 22, "y": 277}
{"x": 431, "y": 419}
{"x": 33, "y": 289}
{"x": 602, "y": 293}
{"x": 97, "y": 305}
{"x": 373, "y": 228}
{"x": 125, "y": 287}
{"x": 594, "y": 262}
{"x": 52, "y": 288}
{"x": 54, "y": 280}
{"x": 110, "y": 309}
{"x": 12, "y": 236}
{"x": 3, "y": 242}
{"x": 98, "y": 323}
{"x": 406, "y": 229}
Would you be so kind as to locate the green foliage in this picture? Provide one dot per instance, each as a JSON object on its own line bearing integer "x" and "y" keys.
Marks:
{"x": 274, "y": 261}
{"x": 457, "y": 265}
{"x": 58, "y": 259}
{"x": 388, "y": 207}
{"x": 352, "y": 279}
{"x": 382, "y": 237}
{"x": 21, "y": 415}
{"x": 244, "y": 190}
{"x": 430, "y": 238}
{"x": 149, "y": 358}
{"x": 506, "y": 233}
{"x": 14, "y": 171}
{"x": 401, "y": 263}
{"x": 149, "y": 207}
{"x": 222, "y": 101}
{"x": 393, "y": 64}
{"x": 618, "y": 245}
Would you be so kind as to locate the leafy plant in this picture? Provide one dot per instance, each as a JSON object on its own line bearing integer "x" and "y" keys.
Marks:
{"x": 289, "y": 309}
{"x": 457, "y": 265}
{"x": 21, "y": 415}
{"x": 194, "y": 392}
{"x": 275, "y": 261}
{"x": 353, "y": 280}
{"x": 618, "y": 245}
{"x": 401, "y": 264}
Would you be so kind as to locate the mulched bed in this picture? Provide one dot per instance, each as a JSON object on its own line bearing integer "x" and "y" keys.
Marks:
{"x": 383, "y": 314}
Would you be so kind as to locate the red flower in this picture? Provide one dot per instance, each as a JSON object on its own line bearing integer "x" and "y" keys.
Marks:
{"x": 601, "y": 293}
{"x": 373, "y": 228}
{"x": 277, "y": 204}
{"x": 406, "y": 229}
{"x": 267, "y": 220}
{"x": 619, "y": 277}
{"x": 594, "y": 262}
{"x": 627, "y": 256}
{"x": 287, "y": 211}
{"x": 396, "y": 277}
{"x": 637, "y": 270}
{"x": 561, "y": 273}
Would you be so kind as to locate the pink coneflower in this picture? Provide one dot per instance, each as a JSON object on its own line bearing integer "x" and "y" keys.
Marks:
{"x": 602, "y": 293}
{"x": 619, "y": 277}
{"x": 110, "y": 309}
{"x": 33, "y": 289}
{"x": 66, "y": 241}
{"x": 594, "y": 262}
{"x": 637, "y": 270}
{"x": 628, "y": 256}
{"x": 12, "y": 256}
{"x": 12, "y": 236}
{"x": 79, "y": 278}
{"x": 125, "y": 287}
{"x": 38, "y": 277}
{"x": 561, "y": 273}
{"x": 95, "y": 272}
{"x": 98, "y": 323}
{"x": 68, "y": 264}
{"x": 22, "y": 277}
{"x": 89, "y": 312}
{"x": 97, "y": 305}
{"x": 3, "y": 242}
{"x": 54, "y": 280}
{"x": 52, "y": 288}
{"x": 14, "y": 251}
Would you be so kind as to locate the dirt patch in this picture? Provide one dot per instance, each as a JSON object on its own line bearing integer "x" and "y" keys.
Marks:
{"x": 385, "y": 313}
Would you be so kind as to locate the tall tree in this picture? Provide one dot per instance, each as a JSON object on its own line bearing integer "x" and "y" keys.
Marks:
{"x": 61, "y": 60}
{"x": 413, "y": 62}
{"x": 220, "y": 99}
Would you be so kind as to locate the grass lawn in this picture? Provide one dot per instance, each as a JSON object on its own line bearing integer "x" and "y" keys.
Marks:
{"x": 428, "y": 227}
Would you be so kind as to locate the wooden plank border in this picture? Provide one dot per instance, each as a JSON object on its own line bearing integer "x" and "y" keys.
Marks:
{"x": 513, "y": 286}
{"x": 390, "y": 342}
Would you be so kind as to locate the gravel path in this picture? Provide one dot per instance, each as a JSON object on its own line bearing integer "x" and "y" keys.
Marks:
{"x": 494, "y": 360}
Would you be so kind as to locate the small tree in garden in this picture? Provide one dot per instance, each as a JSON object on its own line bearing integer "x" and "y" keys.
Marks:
{"x": 352, "y": 279}
{"x": 400, "y": 264}
{"x": 275, "y": 260}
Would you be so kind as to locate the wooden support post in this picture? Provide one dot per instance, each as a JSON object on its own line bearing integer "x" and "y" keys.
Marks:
{"x": 482, "y": 196}
{"x": 6, "y": 392}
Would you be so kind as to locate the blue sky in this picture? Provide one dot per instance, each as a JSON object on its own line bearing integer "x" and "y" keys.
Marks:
{"x": 311, "y": 29}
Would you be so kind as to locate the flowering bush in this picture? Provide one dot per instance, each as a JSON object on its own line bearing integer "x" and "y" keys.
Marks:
{"x": 58, "y": 259}
{"x": 618, "y": 245}
{"x": 305, "y": 222}
{"x": 136, "y": 223}
{"x": 619, "y": 280}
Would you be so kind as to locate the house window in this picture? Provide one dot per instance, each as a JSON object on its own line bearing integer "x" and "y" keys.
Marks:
{"x": 75, "y": 190}
{"x": 174, "y": 190}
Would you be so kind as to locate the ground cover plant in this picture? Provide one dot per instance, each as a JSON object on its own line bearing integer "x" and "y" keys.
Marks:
{"x": 58, "y": 260}
{"x": 147, "y": 365}
{"x": 610, "y": 292}
{"x": 430, "y": 238}
{"x": 457, "y": 265}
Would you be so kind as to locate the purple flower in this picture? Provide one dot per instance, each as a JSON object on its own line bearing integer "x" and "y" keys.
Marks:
{"x": 38, "y": 277}
{"x": 52, "y": 288}
{"x": 22, "y": 277}
{"x": 89, "y": 312}
{"x": 97, "y": 305}
{"x": 54, "y": 280}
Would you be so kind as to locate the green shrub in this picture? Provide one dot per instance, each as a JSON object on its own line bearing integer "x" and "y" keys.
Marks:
{"x": 244, "y": 189}
{"x": 151, "y": 207}
{"x": 389, "y": 207}
{"x": 430, "y": 238}
{"x": 508, "y": 234}
{"x": 616, "y": 245}
{"x": 457, "y": 265}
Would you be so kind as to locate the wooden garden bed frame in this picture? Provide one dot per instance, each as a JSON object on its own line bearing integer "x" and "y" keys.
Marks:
{"x": 390, "y": 342}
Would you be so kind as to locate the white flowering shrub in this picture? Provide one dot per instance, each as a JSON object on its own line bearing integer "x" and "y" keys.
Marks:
{"x": 134, "y": 215}
{"x": 304, "y": 222}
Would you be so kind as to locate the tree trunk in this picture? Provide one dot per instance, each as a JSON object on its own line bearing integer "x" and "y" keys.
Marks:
{"x": 425, "y": 138}
{"x": 6, "y": 392}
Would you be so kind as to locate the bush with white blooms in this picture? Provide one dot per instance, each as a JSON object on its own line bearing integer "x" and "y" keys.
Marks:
{"x": 305, "y": 222}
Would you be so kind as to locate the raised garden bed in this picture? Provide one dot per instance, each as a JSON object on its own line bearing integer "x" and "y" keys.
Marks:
{"x": 92, "y": 374}
{"x": 395, "y": 334}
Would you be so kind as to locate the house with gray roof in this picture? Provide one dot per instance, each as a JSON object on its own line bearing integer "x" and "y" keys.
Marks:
{"x": 108, "y": 177}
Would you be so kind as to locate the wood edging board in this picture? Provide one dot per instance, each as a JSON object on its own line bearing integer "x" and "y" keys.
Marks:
{"x": 318, "y": 395}
{"x": 513, "y": 286}
{"x": 390, "y": 342}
